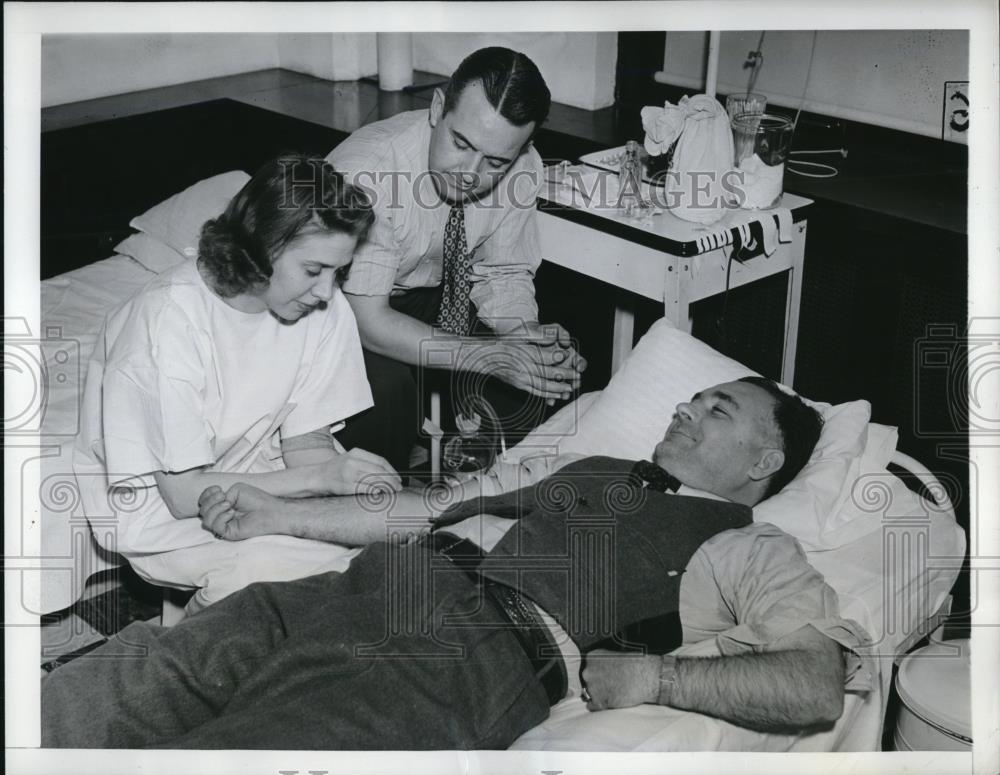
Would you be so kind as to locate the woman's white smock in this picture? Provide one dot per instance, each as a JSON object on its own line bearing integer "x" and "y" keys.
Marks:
{"x": 179, "y": 379}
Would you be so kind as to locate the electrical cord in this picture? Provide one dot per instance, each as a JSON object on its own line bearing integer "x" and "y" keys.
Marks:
{"x": 814, "y": 169}
{"x": 805, "y": 87}
{"x": 756, "y": 59}
{"x": 720, "y": 322}
{"x": 811, "y": 169}
{"x": 821, "y": 170}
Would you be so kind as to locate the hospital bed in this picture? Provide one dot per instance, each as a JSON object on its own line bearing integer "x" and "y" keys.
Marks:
{"x": 892, "y": 555}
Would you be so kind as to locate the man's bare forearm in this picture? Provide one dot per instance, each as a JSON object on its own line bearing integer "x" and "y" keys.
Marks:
{"x": 778, "y": 691}
{"x": 180, "y": 491}
{"x": 355, "y": 520}
{"x": 783, "y": 690}
{"x": 403, "y": 338}
{"x": 543, "y": 365}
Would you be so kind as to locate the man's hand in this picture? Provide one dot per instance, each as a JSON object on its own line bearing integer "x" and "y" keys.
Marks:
{"x": 795, "y": 683}
{"x": 239, "y": 513}
{"x": 358, "y": 471}
{"x": 540, "y": 360}
{"x": 554, "y": 335}
{"x": 617, "y": 680}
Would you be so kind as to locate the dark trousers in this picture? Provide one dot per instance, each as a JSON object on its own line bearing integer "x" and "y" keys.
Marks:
{"x": 398, "y": 652}
{"x": 402, "y": 394}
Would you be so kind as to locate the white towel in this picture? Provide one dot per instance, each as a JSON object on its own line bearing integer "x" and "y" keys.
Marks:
{"x": 784, "y": 216}
{"x": 769, "y": 226}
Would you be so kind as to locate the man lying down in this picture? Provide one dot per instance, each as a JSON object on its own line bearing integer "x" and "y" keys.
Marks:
{"x": 425, "y": 644}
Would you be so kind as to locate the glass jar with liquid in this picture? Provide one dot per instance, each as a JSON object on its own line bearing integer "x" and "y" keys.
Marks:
{"x": 761, "y": 143}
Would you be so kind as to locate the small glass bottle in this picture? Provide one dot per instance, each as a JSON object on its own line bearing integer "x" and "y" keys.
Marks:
{"x": 630, "y": 201}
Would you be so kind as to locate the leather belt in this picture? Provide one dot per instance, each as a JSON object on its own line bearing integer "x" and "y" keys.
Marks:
{"x": 530, "y": 631}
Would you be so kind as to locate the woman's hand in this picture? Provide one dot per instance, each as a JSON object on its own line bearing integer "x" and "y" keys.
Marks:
{"x": 356, "y": 472}
{"x": 241, "y": 512}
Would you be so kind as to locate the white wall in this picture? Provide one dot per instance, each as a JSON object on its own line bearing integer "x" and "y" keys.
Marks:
{"x": 579, "y": 67}
{"x": 334, "y": 56}
{"x": 82, "y": 67}
{"x": 893, "y": 78}
{"x": 890, "y": 77}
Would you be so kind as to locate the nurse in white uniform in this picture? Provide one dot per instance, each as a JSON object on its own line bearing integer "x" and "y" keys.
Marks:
{"x": 232, "y": 368}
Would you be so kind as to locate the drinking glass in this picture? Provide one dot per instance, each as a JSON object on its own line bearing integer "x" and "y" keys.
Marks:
{"x": 745, "y": 102}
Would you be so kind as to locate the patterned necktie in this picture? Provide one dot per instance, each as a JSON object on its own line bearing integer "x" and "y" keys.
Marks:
{"x": 655, "y": 477}
{"x": 453, "y": 316}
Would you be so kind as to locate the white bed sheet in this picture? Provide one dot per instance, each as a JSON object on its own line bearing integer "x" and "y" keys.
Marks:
{"x": 73, "y": 307}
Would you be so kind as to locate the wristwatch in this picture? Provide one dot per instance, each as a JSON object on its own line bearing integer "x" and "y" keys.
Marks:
{"x": 668, "y": 677}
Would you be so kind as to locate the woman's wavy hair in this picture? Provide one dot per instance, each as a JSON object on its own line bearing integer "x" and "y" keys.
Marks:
{"x": 290, "y": 195}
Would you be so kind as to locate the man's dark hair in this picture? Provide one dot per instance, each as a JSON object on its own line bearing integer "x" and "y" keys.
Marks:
{"x": 512, "y": 84}
{"x": 287, "y": 197}
{"x": 799, "y": 425}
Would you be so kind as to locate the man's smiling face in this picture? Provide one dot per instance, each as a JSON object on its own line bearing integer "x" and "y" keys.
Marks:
{"x": 716, "y": 439}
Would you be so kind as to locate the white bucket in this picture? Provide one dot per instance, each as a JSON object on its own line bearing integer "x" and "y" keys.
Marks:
{"x": 935, "y": 695}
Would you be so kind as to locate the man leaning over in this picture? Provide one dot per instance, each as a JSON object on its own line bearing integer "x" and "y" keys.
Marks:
{"x": 453, "y": 253}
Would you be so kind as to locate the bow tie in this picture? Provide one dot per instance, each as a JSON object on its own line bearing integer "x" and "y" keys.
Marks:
{"x": 654, "y": 477}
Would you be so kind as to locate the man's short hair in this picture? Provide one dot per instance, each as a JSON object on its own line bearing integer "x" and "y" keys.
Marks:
{"x": 511, "y": 81}
{"x": 799, "y": 426}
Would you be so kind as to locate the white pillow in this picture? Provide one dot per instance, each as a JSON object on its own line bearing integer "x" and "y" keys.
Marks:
{"x": 667, "y": 367}
{"x": 176, "y": 222}
{"x": 149, "y": 252}
{"x": 881, "y": 446}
